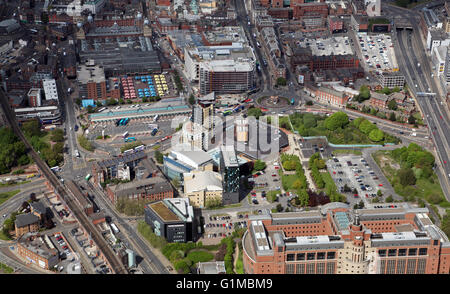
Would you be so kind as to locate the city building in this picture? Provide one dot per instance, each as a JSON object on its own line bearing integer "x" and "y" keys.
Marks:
{"x": 391, "y": 79}
{"x": 92, "y": 83}
{"x": 429, "y": 20}
{"x": 211, "y": 268}
{"x": 328, "y": 95}
{"x": 200, "y": 187}
{"x": 45, "y": 114}
{"x": 173, "y": 219}
{"x": 81, "y": 198}
{"x": 34, "y": 97}
{"x": 335, "y": 24}
{"x": 360, "y": 23}
{"x": 435, "y": 38}
{"x": 38, "y": 249}
{"x": 380, "y": 239}
{"x": 148, "y": 189}
{"x": 27, "y": 222}
{"x": 379, "y": 100}
{"x": 229, "y": 169}
{"x": 305, "y": 56}
{"x": 106, "y": 170}
{"x": 5, "y": 46}
{"x": 50, "y": 90}
{"x": 176, "y": 163}
{"x": 228, "y": 59}
{"x": 226, "y": 76}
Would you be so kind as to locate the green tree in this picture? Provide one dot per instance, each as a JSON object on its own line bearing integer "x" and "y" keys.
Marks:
{"x": 281, "y": 81}
{"x": 386, "y": 91}
{"x": 90, "y": 109}
{"x": 256, "y": 112}
{"x": 192, "y": 99}
{"x": 392, "y": 104}
{"x": 336, "y": 120}
{"x": 159, "y": 157}
{"x": 259, "y": 165}
{"x": 98, "y": 103}
{"x": 57, "y": 135}
{"x": 364, "y": 93}
{"x": 411, "y": 120}
{"x": 309, "y": 103}
{"x": 392, "y": 116}
{"x": 389, "y": 199}
{"x": 376, "y": 135}
{"x": 78, "y": 101}
{"x": 379, "y": 193}
{"x": 406, "y": 176}
{"x": 366, "y": 126}
{"x": 279, "y": 207}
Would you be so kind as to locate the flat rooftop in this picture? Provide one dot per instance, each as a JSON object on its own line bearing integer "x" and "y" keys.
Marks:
{"x": 163, "y": 211}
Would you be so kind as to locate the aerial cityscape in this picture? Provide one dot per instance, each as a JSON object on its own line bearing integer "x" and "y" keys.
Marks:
{"x": 224, "y": 137}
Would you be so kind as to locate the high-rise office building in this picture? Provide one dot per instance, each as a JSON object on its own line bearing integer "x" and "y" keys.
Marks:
{"x": 229, "y": 168}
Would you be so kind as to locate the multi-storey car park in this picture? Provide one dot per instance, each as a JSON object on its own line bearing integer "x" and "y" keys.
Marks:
{"x": 381, "y": 239}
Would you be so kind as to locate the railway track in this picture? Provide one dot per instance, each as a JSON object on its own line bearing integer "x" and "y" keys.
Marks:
{"x": 114, "y": 262}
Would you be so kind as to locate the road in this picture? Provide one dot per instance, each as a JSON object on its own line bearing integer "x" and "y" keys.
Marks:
{"x": 410, "y": 53}
{"x": 241, "y": 17}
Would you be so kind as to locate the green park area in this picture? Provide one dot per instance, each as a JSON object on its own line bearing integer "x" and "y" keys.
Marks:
{"x": 186, "y": 256}
{"x": 338, "y": 129}
{"x": 410, "y": 172}
{"x": 7, "y": 195}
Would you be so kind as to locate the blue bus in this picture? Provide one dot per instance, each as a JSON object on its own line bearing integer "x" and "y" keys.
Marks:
{"x": 155, "y": 130}
{"x": 119, "y": 122}
{"x": 238, "y": 108}
{"x": 124, "y": 121}
{"x": 130, "y": 139}
{"x": 292, "y": 101}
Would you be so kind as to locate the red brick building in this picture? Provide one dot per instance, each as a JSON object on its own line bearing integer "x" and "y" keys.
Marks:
{"x": 381, "y": 239}
{"x": 329, "y": 96}
{"x": 379, "y": 100}
{"x": 335, "y": 24}
{"x": 308, "y": 9}
{"x": 303, "y": 56}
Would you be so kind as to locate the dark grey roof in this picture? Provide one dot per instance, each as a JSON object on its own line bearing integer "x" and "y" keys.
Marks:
{"x": 124, "y": 159}
{"x": 38, "y": 207}
{"x": 26, "y": 219}
{"x": 147, "y": 186}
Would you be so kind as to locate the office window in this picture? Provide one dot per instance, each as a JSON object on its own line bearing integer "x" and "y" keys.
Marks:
{"x": 290, "y": 257}
{"x": 311, "y": 256}
{"x": 435, "y": 242}
{"x": 382, "y": 252}
{"x": 300, "y": 268}
{"x": 392, "y": 252}
{"x": 382, "y": 269}
{"x": 331, "y": 255}
{"x": 402, "y": 252}
{"x": 421, "y": 263}
{"x": 330, "y": 267}
{"x": 422, "y": 251}
{"x": 290, "y": 268}
{"x": 401, "y": 266}
{"x": 412, "y": 252}
{"x": 300, "y": 256}
{"x": 321, "y": 268}
{"x": 320, "y": 255}
{"x": 411, "y": 269}
{"x": 310, "y": 268}
{"x": 390, "y": 268}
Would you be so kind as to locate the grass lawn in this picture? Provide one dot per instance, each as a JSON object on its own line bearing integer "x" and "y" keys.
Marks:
{"x": 271, "y": 195}
{"x": 288, "y": 180}
{"x": 239, "y": 264}
{"x": 3, "y": 236}
{"x": 418, "y": 118}
{"x": 14, "y": 184}
{"x": 347, "y": 151}
{"x": 5, "y": 196}
{"x": 226, "y": 206}
{"x": 6, "y": 269}
{"x": 328, "y": 180}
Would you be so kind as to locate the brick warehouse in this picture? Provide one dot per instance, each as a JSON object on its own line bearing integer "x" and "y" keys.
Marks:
{"x": 381, "y": 239}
